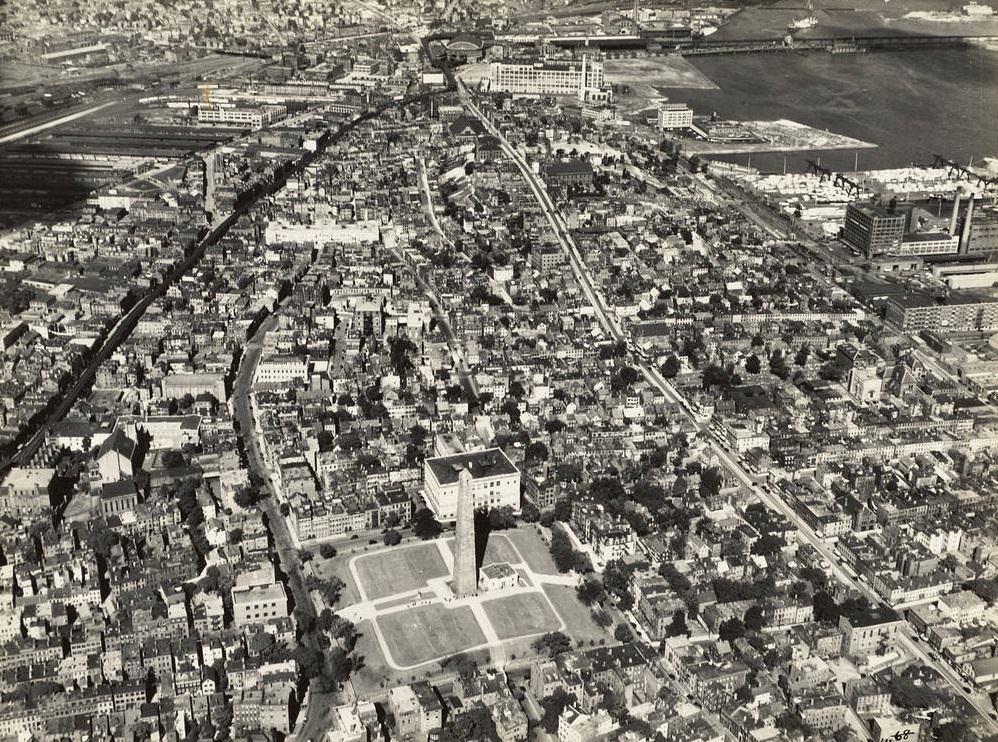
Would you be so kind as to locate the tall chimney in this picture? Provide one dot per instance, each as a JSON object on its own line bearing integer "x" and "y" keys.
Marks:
{"x": 956, "y": 211}
{"x": 965, "y": 237}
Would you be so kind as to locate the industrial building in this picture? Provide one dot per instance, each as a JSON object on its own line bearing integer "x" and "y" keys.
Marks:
{"x": 959, "y": 312}
{"x": 675, "y": 116}
{"x": 581, "y": 78}
{"x": 873, "y": 229}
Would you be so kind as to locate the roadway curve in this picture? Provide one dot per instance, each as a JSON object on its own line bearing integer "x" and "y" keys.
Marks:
{"x": 771, "y": 498}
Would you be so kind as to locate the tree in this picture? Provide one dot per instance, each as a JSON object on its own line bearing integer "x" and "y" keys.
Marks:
{"x": 590, "y": 591}
{"x": 553, "y": 706}
{"x": 710, "y": 482}
{"x": 754, "y": 619}
{"x": 906, "y": 694}
{"x": 552, "y": 643}
{"x": 601, "y": 618}
{"x": 262, "y": 643}
{"x": 731, "y": 629}
{"x": 247, "y": 497}
{"x": 309, "y": 661}
{"x": 392, "y": 537}
{"x": 825, "y": 607}
{"x": 565, "y": 557}
{"x": 623, "y": 633}
{"x": 629, "y": 375}
{"x": 327, "y": 551}
{"x": 530, "y": 512}
{"x": 535, "y": 452}
{"x": 672, "y": 366}
{"x": 778, "y": 365}
{"x": 768, "y": 544}
{"x": 617, "y": 578}
{"x": 501, "y": 518}
{"x": 102, "y": 539}
{"x": 678, "y": 625}
{"x": 425, "y": 525}
{"x": 752, "y": 364}
{"x": 985, "y": 589}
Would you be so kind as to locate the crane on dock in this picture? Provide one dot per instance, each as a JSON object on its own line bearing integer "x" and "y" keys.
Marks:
{"x": 838, "y": 179}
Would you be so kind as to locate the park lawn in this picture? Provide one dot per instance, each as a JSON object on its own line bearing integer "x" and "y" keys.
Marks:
{"x": 521, "y": 615}
{"x": 428, "y": 632}
{"x": 533, "y": 549}
{"x": 399, "y": 570}
{"x": 499, "y": 549}
{"x": 578, "y": 620}
{"x": 373, "y": 674}
{"x": 339, "y": 566}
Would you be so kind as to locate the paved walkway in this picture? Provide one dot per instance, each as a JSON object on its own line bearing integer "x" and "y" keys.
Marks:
{"x": 437, "y": 590}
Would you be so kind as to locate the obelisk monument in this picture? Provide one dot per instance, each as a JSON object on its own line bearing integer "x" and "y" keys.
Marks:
{"x": 465, "y": 567}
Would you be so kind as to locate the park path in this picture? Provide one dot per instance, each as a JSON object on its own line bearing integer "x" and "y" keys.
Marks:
{"x": 369, "y": 610}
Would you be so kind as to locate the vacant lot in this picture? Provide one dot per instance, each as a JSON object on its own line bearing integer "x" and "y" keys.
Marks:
{"x": 424, "y": 633}
{"x": 533, "y": 548}
{"x": 399, "y": 570}
{"x": 670, "y": 71}
{"x": 521, "y": 615}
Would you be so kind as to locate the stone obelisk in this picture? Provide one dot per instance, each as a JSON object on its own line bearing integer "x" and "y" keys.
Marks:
{"x": 465, "y": 569}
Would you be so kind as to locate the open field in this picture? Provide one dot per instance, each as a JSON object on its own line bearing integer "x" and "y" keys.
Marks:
{"x": 533, "y": 549}
{"x": 399, "y": 570}
{"x": 422, "y": 634}
{"x": 520, "y": 615}
{"x": 578, "y": 622}
{"x": 644, "y": 72}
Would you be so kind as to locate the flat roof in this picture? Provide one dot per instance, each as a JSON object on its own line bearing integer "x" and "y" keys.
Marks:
{"x": 491, "y": 462}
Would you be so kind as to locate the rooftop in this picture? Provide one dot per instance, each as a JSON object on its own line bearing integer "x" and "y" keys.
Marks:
{"x": 488, "y": 463}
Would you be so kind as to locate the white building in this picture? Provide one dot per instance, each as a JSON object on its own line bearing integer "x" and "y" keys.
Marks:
{"x": 322, "y": 231}
{"x": 927, "y": 243}
{"x": 575, "y": 726}
{"x": 495, "y": 481}
{"x": 497, "y": 576}
{"x": 256, "y": 604}
{"x": 742, "y": 438}
{"x": 282, "y": 369}
{"x": 582, "y": 79}
{"x": 675, "y": 116}
{"x": 240, "y": 116}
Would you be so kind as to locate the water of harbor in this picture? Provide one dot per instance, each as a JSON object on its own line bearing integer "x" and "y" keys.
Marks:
{"x": 913, "y": 104}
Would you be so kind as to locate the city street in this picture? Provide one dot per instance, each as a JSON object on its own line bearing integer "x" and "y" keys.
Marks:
{"x": 652, "y": 374}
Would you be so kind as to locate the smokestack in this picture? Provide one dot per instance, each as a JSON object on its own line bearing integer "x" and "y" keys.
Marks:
{"x": 965, "y": 237}
{"x": 956, "y": 211}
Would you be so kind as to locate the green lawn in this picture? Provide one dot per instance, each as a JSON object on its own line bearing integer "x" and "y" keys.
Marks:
{"x": 399, "y": 570}
{"x": 579, "y": 623}
{"x": 533, "y": 548}
{"x": 424, "y": 633}
{"x": 521, "y": 615}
